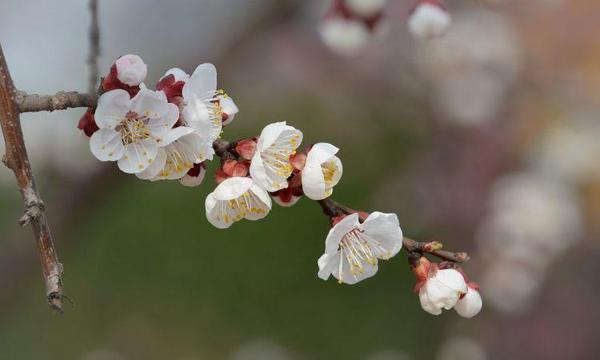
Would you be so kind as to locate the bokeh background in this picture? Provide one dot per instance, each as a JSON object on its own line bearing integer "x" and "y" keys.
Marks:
{"x": 487, "y": 139}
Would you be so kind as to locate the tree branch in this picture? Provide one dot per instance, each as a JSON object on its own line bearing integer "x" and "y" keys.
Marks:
{"x": 16, "y": 159}
{"x": 94, "y": 46}
{"x": 60, "y": 101}
{"x": 332, "y": 208}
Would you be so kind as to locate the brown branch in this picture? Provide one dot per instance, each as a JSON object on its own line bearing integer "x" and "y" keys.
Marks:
{"x": 60, "y": 101}
{"x": 94, "y": 46}
{"x": 332, "y": 208}
{"x": 16, "y": 159}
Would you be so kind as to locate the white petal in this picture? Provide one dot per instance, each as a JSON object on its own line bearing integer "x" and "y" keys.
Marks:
{"x": 452, "y": 279}
{"x": 470, "y": 305}
{"x": 106, "y": 145}
{"x": 152, "y": 104}
{"x": 261, "y": 204}
{"x": 337, "y": 232}
{"x": 202, "y": 83}
{"x": 161, "y": 125}
{"x": 179, "y": 74}
{"x": 347, "y": 277}
{"x": 427, "y": 304}
{"x": 174, "y": 134}
{"x": 157, "y": 165}
{"x": 232, "y": 188}
{"x": 213, "y": 215}
{"x": 195, "y": 111}
{"x": 270, "y": 133}
{"x": 313, "y": 182}
{"x": 385, "y": 229}
{"x": 112, "y": 108}
{"x": 195, "y": 147}
{"x": 138, "y": 156}
{"x": 327, "y": 264}
{"x": 320, "y": 153}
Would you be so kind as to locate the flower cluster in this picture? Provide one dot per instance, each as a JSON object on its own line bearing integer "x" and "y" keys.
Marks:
{"x": 445, "y": 286}
{"x": 165, "y": 134}
{"x": 172, "y": 132}
{"x": 349, "y": 25}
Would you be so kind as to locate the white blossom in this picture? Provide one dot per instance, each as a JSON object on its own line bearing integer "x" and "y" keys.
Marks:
{"x": 442, "y": 290}
{"x": 234, "y": 199}
{"x": 345, "y": 37}
{"x": 470, "y": 305}
{"x": 429, "y": 21}
{"x": 131, "y": 131}
{"x": 321, "y": 172}
{"x": 271, "y": 165}
{"x": 366, "y": 8}
{"x": 352, "y": 249}
{"x": 131, "y": 70}
{"x": 200, "y": 110}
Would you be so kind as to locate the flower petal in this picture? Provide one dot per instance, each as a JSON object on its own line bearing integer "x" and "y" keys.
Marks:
{"x": 202, "y": 83}
{"x": 232, "y": 188}
{"x": 327, "y": 264}
{"x": 112, "y": 107}
{"x": 174, "y": 134}
{"x": 159, "y": 126}
{"x": 106, "y": 145}
{"x": 385, "y": 229}
{"x": 138, "y": 156}
{"x": 338, "y": 231}
{"x": 470, "y": 305}
{"x": 149, "y": 103}
{"x": 154, "y": 169}
{"x": 347, "y": 277}
{"x": 427, "y": 304}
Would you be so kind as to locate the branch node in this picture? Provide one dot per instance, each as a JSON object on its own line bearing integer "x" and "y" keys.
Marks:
{"x": 33, "y": 210}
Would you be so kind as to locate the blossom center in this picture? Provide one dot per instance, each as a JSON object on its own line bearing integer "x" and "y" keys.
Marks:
{"x": 358, "y": 248}
{"x": 133, "y": 128}
{"x": 329, "y": 170}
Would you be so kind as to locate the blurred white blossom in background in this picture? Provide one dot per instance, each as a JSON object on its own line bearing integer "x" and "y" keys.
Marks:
{"x": 471, "y": 68}
{"x": 261, "y": 349}
{"x": 461, "y": 348}
{"x": 532, "y": 220}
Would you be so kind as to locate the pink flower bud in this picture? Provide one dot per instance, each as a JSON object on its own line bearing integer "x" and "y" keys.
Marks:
{"x": 131, "y": 70}
{"x": 87, "y": 123}
{"x": 298, "y": 160}
{"x": 246, "y": 148}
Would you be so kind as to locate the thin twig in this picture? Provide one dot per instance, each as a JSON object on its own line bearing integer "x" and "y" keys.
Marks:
{"x": 94, "y": 46}
{"x": 332, "y": 208}
{"x": 16, "y": 159}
